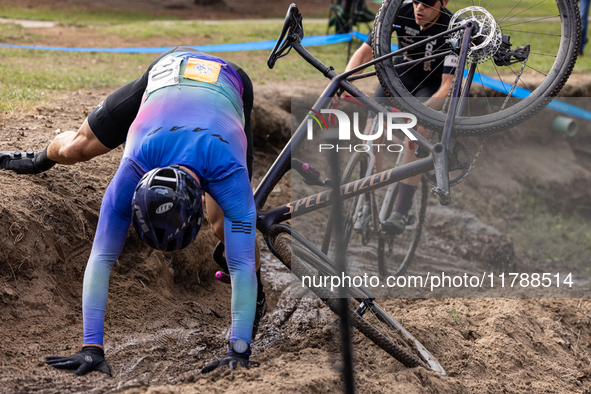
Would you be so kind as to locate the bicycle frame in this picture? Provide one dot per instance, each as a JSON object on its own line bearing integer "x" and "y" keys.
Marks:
{"x": 437, "y": 153}
{"x": 385, "y": 204}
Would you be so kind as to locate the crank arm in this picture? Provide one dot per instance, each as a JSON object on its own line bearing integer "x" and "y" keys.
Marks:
{"x": 441, "y": 174}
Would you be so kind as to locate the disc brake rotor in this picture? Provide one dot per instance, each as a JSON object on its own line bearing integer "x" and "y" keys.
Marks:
{"x": 486, "y": 38}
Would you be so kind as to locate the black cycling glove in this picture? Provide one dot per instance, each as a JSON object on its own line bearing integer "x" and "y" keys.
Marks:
{"x": 28, "y": 163}
{"x": 232, "y": 360}
{"x": 90, "y": 358}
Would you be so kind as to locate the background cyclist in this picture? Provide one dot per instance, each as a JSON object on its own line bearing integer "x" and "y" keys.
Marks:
{"x": 429, "y": 81}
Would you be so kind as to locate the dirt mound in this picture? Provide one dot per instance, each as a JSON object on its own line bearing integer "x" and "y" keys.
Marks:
{"x": 166, "y": 317}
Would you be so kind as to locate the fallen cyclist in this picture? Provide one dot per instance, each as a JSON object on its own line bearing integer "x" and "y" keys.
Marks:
{"x": 186, "y": 124}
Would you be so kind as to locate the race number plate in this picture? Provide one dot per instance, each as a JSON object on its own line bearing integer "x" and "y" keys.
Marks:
{"x": 450, "y": 61}
{"x": 164, "y": 73}
{"x": 202, "y": 70}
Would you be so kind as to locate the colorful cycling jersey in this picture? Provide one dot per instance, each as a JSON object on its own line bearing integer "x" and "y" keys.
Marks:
{"x": 409, "y": 32}
{"x": 191, "y": 116}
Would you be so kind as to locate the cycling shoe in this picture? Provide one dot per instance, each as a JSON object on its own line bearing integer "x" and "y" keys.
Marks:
{"x": 362, "y": 217}
{"x": 396, "y": 223}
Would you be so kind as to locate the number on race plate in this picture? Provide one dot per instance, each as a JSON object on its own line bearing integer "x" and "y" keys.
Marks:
{"x": 164, "y": 73}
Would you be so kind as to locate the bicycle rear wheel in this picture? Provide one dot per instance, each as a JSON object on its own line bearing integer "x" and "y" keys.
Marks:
{"x": 552, "y": 31}
{"x": 395, "y": 253}
{"x": 365, "y": 314}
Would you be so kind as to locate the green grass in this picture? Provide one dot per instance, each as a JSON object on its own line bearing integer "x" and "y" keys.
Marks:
{"x": 222, "y": 33}
{"x": 78, "y": 17}
{"x": 29, "y": 76}
{"x": 11, "y": 32}
{"x": 552, "y": 239}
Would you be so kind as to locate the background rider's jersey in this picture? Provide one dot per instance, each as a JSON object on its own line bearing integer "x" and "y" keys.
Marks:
{"x": 191, "y": 115}
{"x": 409, "y": 32}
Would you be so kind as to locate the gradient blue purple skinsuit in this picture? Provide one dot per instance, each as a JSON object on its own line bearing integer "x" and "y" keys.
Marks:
{"x": 198, "y": 125}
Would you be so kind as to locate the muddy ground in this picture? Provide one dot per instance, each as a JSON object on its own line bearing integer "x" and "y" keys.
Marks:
{"x": 167, "y": 316}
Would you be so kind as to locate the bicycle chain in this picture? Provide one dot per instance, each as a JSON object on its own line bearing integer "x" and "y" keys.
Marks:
{"x": 464, "y": 175}
{"x": 485, "y": 140}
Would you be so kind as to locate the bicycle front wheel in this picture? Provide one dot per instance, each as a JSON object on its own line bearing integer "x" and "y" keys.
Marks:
{"x": 365, "y": 314}
{"x": 523, "y": 45}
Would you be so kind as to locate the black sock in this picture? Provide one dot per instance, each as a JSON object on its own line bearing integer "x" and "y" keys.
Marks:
{"x": 260, "y": 292}
{"x": 42, "y": 162}
{"x": 404, "y": 198}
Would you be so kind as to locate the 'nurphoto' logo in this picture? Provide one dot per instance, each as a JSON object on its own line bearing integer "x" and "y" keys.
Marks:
{"x": 394, "y": 121}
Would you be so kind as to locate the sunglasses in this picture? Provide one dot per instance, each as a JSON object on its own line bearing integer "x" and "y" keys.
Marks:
{"x": 427, "y": 3}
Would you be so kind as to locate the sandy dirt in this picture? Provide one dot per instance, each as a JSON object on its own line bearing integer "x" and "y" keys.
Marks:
{"x": 167, "y": 316}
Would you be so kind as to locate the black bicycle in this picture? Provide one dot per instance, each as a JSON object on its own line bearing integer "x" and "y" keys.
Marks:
{"x": 466, "y": 36}
{"x": 532, "y": 48}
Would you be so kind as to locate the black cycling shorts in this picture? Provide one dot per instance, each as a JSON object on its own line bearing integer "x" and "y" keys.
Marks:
{"x": 111, "y": 119}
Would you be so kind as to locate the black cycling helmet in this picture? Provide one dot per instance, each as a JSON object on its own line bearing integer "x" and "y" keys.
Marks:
{"x": 167, "y": 209}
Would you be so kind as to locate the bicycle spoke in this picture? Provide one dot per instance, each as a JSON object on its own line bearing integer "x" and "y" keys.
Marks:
{"x": 424, "y": 79}
{"x": 416, "y": 64}
{"x": 542, "y": 54}
{"x": 427, "y": 77}
{"x": 521, "y": 12}
{"x": 527, "y": 65}
{"x": 484, "y": 89}
{"x": 433, "y": 53}
{"x": 533, "y": 32}
{"x": 491, "y": 3}
{"x": 522, "y": 81}
{"x": 502, "y": 82}
{"x": 508, "y": 12}
{"x": 530, "y": 21}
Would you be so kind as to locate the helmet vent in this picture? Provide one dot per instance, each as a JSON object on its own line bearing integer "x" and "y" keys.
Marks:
{"x": 159, "y": 234}
{"x": 187, "y": 236}
{"x": 192, "y": 197}
{"x": 165, "y": 177}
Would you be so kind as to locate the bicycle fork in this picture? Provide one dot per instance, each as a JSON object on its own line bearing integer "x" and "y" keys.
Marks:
{"x": 441, "y": 149}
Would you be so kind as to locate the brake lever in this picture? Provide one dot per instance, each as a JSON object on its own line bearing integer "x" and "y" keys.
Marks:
{"x": 310, "y": 175}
